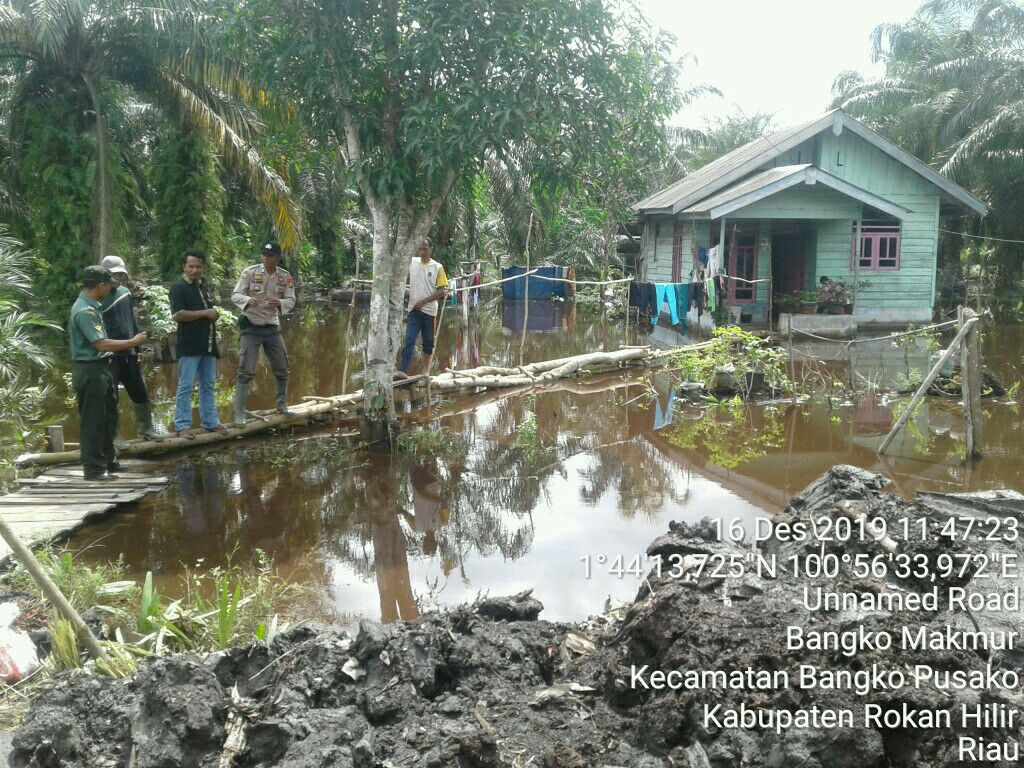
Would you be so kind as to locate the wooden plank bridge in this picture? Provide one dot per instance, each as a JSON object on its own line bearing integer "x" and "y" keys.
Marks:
{"x": 58, "y": 502}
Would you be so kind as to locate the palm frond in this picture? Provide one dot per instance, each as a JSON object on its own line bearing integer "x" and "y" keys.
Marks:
{"x": 264, "y": 182}
{"x": 51, "y": 22}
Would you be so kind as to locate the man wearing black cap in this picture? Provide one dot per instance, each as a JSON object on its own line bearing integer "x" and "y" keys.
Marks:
{"x": 91, "y": 378}
{"x": 263, "y": 293}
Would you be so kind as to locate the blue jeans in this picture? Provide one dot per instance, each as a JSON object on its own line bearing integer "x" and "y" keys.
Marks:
{"x": 416, "y": 324}
{"x": 189, "y": 367}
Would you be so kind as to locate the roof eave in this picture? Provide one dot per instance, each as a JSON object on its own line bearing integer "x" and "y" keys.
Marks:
{"x": 754, "y": 163}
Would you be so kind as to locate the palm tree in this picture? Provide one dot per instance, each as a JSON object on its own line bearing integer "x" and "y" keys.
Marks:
{"x": 20, "y": 350}
{"x": 953, "y": 93}
{"x": 107, "y": 55}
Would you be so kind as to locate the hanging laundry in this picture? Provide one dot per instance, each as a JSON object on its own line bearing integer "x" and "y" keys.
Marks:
{"x": 702, "y": 255}
{"x": 712, "y": 295}
{"x": 666, "y": 293}
{"x": 714, "y": 263}
{"x": 651, "y": 299}
{"x": 662, "y": 418}
{"x": 682, "y": 303}
{"x": 636, "y": 293}
{"x": 697, "y": 298}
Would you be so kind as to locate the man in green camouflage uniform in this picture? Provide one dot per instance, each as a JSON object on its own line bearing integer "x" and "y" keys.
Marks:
{"x": 91, "y": 353}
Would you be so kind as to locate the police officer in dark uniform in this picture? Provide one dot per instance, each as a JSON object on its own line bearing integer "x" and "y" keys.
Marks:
{"x": 91, "y": 377}
{"x": 118, "y": 312}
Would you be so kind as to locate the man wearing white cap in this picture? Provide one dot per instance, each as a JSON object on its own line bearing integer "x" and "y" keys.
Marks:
{"x": 118, "y": 313}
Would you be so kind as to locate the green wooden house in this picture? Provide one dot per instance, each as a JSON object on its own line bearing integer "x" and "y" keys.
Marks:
{"x": 829, "y": 197}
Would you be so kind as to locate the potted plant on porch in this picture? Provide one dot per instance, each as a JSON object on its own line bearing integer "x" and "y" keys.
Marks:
{"x": 835, "y": 298}
{"x": 851, "y": 295}
{"x": 788, "y": 302}
{"x": 808, "y": 302}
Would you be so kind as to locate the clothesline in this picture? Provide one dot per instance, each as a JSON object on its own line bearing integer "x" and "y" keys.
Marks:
{"x": 915, "y": 332}
{"x": 981, "y": 237}
{"x": 586, "y": 282}
{"x": 493, "y": 282}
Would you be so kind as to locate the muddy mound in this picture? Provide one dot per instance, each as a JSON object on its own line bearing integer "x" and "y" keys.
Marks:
{"x": 490, "y": 685}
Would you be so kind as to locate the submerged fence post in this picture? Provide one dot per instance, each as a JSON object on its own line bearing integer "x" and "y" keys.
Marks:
{"x": 928, "y": 380}
{"x": 970, "y": 383}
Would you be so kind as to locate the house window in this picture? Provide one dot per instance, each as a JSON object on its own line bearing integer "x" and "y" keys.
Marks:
{"x": 742, "y": 263}
{"x": 876, "y": 245}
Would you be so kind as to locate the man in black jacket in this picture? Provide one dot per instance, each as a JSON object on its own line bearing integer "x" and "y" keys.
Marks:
{"x": 118, "y": 313}
{"x": 193, "y": 309}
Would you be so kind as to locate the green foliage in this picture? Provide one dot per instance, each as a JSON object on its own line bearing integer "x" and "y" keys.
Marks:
{"x": 189, "y": 205}
{"x": 57, "y": 176}
{"x": 426, "y": 442}
{"x": 952, "y": 93}
{"x": 221, "y": 607}
{"x": 149, "y": 606}
{"x": 226, "y": 611}
{"x": 729, "y": 433}
{"x": 731, "y": 345}
{"x": 91, "y": 90}
{"x": 22, "y": 356}
{"x": 82, "y": 585}
{"x": 158, "y": 317}
{"x": 693, "y": 149}
{"x": 64, "y": 645}
{"x": 526, "y": 436}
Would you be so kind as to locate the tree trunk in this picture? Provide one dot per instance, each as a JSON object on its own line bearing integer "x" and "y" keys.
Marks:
{"x": 102, "y": 180}
{"x": 379, "y": 403}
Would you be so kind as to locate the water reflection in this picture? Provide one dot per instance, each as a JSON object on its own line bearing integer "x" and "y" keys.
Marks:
{"x": 590, "y": 466}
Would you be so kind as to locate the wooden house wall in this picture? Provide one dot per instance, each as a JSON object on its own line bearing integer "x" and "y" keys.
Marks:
{"x": 904, "y": 294}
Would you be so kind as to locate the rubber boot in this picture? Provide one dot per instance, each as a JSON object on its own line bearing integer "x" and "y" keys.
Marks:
{"x": 282, "y": 396}
{"x": 241, "y": 395}
{"x": 144, "y": 421}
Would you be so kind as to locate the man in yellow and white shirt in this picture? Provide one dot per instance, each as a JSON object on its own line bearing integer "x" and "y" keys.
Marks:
{"x": 427, "y": 283}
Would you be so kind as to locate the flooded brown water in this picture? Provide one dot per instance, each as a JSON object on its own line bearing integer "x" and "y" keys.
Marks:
{"x": 528, "y": 484}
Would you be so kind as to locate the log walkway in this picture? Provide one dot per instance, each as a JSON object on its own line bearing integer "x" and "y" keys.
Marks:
{"x": 59, "y": 501}
{"x": 467, "y": 381}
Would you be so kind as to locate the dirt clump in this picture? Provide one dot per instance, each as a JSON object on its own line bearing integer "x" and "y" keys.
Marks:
{"x": 493, "y": 685}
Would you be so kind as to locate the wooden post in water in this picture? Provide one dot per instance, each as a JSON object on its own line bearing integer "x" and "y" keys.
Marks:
{"x": 928, "y": 381}
{"x": 970, "y": 383}
{"x": 55, "y": 438}
{"x": 526, "y": 291}
{"x": 52, "y": 592}
{"x": 792, "y": 361}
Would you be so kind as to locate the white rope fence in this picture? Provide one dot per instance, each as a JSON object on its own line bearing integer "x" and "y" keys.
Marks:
{"x": 915, "y": 332}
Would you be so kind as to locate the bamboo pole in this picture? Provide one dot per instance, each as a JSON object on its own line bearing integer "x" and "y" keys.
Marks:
{"x": 929, "y": 379}
{"x": 52, "y": 592}
{"x": 970, "y": 384}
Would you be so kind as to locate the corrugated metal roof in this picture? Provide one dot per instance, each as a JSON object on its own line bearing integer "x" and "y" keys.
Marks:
{"x": 747, "y": 159}
{"x": 754, "y": 153}
{"x": 774, "y": 180}
{"x": 752, "y": 184}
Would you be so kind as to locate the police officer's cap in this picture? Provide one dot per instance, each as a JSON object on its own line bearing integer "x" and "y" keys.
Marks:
{"x": 271, "y": 249}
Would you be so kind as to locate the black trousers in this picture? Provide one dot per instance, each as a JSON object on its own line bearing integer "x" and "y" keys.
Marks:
{"x": 97, "y": 410}
{"x": 128, "y": 373}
